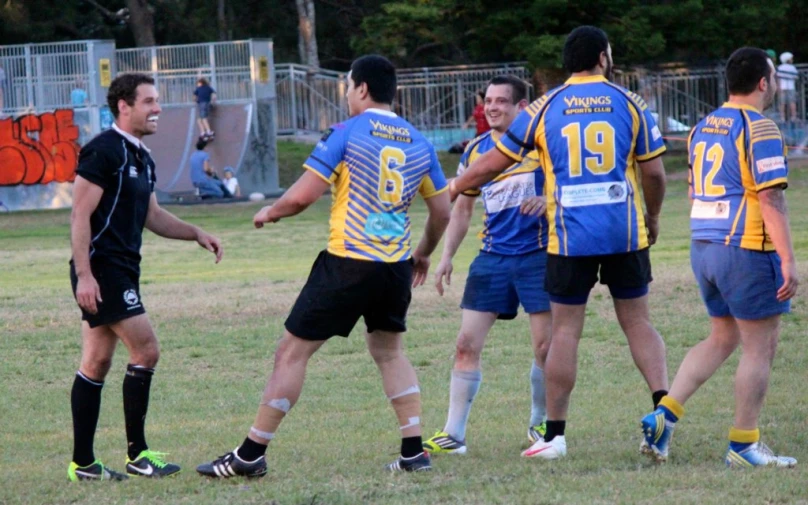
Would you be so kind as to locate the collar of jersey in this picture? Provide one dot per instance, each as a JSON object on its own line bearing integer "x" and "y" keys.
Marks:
{"x": 387, "y": 113}
{"x": 586, "y": 79}
{"x": 730, "y": 105}
{"x": 131, "y": 138}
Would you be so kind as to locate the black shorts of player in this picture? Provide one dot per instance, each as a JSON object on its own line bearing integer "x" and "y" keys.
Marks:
{"x": 569, "y": 279}
{"x": 341, "y": 290}
{"x": 120, "y": 292}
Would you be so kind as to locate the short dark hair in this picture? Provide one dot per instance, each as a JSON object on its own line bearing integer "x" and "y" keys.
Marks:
{"x": 518, "y": 86}
{"x": 202, "y": 81}
{"x": 583, "y": 47}
{"x": 200, "y": 144}
{"x": 124, "y": 87}
{"x": 745, "y": 68}
{"x": 379, "y": 74}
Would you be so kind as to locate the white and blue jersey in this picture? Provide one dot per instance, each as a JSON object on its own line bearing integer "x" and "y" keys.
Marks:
{"x": 505, "y": 229}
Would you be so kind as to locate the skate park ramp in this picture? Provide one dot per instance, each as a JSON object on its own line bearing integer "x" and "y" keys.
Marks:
{"x": 176, "y": 138}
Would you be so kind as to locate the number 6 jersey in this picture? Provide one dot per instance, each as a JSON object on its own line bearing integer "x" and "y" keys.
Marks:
{"x": 376, "y": 162}
{"x": 734, "y": 153}
{"x": 589, "y": 134}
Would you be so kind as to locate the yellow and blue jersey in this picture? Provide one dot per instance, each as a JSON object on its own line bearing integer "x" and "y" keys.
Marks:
{"x": 506, "y": 230}
{"x": 589, "y": 134}
{"x": 376, "y": 163}
{"x": 734, "y": 153}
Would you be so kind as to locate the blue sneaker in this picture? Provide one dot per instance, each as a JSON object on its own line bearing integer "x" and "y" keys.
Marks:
{"x": 757, "y": 454}
{"x": 657, "y": 432}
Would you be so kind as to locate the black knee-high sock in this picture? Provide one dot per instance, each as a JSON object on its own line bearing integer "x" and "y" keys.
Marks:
{"x": 85, "y": 402}
{"x": 136, "y": 386}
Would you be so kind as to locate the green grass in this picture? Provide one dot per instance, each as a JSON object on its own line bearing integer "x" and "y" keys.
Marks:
{"x": 218, "y": 325}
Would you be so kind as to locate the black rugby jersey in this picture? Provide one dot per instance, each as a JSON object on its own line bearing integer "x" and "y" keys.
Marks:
{"x": 126, "y": 173}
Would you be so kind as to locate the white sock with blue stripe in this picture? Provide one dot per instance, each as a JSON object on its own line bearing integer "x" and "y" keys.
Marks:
{"x": 538, "y": 410}
{"x": 462, "y": 390}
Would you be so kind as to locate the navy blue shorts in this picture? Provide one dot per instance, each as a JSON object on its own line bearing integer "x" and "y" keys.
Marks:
{"x": 737, "y": 282}
{"x": 498, "y": 284}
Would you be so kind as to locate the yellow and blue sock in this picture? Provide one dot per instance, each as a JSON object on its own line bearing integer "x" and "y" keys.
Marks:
{"x": 672, "y": 409}
{"x": 741, "y": 439}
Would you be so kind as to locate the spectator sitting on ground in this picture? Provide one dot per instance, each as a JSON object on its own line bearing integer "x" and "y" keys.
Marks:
{"x": 230, "y": 182}
{"x": 787, "y": 76}
{"x": 203, "y": 177}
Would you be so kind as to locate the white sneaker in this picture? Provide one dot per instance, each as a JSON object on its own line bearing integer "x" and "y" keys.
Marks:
{"x": 758, "y": 454}
{"x": 554, "y": 449}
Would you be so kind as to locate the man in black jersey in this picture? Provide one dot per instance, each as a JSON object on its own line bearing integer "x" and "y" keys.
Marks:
{"x": 113, "y": 199}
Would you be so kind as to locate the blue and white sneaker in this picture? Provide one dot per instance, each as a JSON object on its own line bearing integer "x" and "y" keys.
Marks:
{"x": 757, "y": 454}
{"x": 657, "y": 432}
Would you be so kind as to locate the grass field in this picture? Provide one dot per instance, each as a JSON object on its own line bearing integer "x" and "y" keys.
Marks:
{"x": 218, "y": 325}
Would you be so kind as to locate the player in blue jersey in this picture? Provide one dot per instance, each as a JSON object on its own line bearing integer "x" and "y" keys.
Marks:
{"x": 509, "y": 269}
{"x": 739, "y": 223}
{"x": 592, "y": 137}
{"x": 375, "y": 163}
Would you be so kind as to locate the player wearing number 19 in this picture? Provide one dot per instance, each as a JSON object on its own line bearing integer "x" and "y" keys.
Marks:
{"x": 375, "y": 163}
{"x": 739, "y": 223}
{"x": 591, "y": 136}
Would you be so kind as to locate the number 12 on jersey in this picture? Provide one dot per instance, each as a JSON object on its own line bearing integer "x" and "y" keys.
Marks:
{"x": 704, "y": 185}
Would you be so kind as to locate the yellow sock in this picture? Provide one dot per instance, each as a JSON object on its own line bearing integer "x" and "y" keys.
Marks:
{"x": 744, "y": 436}
{"x": 674, "y": 406}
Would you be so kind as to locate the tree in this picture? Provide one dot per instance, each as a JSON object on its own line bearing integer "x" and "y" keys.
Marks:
{"x": 307, "y": 33}
{"x": 141, "y": 22}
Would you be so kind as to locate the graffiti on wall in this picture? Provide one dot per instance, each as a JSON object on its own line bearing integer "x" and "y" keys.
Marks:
{"x": 39, "y": 149}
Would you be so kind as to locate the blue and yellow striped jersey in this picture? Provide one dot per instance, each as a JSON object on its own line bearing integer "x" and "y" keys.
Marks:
{"x": 589, "y": 134}
{"x": 506, "y": 230}
{"x": 734, "y": 153}
{"x": 376, "y": 162}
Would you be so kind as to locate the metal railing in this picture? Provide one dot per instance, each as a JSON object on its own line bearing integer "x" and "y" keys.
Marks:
{"x": 44, "y": 76}
{"x": 176, "y": 69}
{"x": 436, "y": 100}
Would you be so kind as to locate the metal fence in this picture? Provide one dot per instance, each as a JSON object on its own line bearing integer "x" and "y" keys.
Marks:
{"x": 436, "y": 100}
{"x": 176, "y": 69}
{"x": 44, "y": 76}
{"x": 681, "y": 97}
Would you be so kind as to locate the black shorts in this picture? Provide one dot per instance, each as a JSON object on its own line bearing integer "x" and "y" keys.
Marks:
{"x": 341, "y": 290}
{"x": 569, "y": 279}
{"x": 120, "y": 292}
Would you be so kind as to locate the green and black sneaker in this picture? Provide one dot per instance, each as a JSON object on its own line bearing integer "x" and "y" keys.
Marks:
{"x": 94, "y": 471}
{"x": 537, "y": 432}
{"x": 151, "y": 464}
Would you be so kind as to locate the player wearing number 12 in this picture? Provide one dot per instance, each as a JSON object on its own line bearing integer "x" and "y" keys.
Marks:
{"x": 741, "y": 255}
{"x": 375, "y": 163}
{"x": 591, "y": 136}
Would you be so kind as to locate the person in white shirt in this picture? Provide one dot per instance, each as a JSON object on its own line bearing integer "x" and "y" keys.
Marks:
{"x": 231, "y": 182}
{"x": 787, "y": 76}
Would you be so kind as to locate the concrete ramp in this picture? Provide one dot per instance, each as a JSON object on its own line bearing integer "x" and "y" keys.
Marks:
{"x": 176, "y": 139}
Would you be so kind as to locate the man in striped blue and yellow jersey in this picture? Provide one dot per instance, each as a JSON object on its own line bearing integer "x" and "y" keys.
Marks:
{"x": 741, "y": 255}
{"x": 375, "y": 163}
{"x": 593, "y": 139}
{"x": 508, "y": 271}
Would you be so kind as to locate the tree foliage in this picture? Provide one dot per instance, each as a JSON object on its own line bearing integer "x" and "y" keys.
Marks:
{"x": 428, "y": 32}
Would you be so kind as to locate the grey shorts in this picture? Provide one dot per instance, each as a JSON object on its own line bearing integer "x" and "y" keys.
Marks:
{"x": 788, "y": 96}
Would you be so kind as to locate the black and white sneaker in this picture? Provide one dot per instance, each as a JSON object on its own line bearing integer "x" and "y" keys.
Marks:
{"x": 95, "y": 471}
{"x": 230, "y": 465}
{"x": 151, "y": 464}
{"x": 419, "y": 463}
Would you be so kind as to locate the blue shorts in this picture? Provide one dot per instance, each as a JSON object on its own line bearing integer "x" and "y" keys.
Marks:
{"x": 498, "y": 284}
{"x": 737, "y": 282}
{"x": 204, "y": 109}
